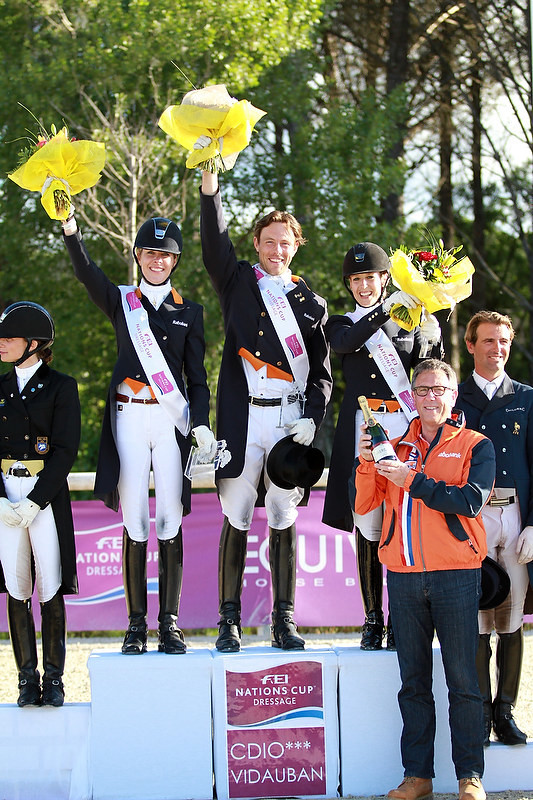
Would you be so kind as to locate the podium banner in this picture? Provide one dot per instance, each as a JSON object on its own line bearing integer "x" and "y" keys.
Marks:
{"x": 327, "y": 590}
{"x": 275, "y": 724}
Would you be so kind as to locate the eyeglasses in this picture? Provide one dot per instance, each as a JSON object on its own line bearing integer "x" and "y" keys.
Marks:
{"x": 438, "y": 391}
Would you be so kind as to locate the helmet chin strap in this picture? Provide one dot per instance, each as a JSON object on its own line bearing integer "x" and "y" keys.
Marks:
{"x": 145, "y": 279}
{"x": 155, "y": 285}
{"x": 26, "y": 354}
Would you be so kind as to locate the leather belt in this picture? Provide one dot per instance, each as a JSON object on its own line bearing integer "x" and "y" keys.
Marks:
{"x": 269, "y": 402}
{"x": 382, "y": 409}
{"x": 145, "y": 401}
{"x": 501, "y": 501}
{"x": 24, "y": 469}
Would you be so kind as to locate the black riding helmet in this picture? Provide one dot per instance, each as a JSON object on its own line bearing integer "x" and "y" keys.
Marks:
{"x": 364, "y": 257}
{"x": 159, "y": 233}
{"x": 30, "y": 321}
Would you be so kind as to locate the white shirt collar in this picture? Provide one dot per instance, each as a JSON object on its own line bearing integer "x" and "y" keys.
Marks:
{"x": 284, "y": 280}
{"x": 25, "y": 373}
{"x": 155, "y": 294}
{"x": 482, "y": 382}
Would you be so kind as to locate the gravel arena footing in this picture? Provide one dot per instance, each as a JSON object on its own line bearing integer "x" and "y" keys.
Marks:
{"x": 78, "y": 690}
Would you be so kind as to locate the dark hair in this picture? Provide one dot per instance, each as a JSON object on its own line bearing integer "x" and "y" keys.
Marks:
{"x": 46, "y": 355}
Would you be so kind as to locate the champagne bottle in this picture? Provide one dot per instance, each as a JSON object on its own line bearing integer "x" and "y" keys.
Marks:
{"x": 382, "y": 450}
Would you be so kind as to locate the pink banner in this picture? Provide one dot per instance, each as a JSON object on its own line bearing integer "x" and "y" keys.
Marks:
{"x": 327, "y": 591}
{"x": 276, "y": 751}
{"x": 327, "y": 588}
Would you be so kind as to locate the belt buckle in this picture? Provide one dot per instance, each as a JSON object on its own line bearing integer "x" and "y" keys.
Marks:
{"x": 252, "y": 400}
{"x": 19, "y": 472}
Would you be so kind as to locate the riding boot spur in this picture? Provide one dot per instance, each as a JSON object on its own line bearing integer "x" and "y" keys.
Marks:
{"x": 135, "y": 591}
{"x": 231, "y": 561}
{"x": 371, "y": 584}
{"x": 22, "y": 634}
{"x": 508, "y": 667}
{"x": 282, "y": 557}
{"x": 171, "y": 640}
{"x": 53, "y": 633}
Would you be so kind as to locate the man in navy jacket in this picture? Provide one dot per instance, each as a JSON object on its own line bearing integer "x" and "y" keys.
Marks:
{"x": 502, "y": 409}
{"x": 263, "y": 394}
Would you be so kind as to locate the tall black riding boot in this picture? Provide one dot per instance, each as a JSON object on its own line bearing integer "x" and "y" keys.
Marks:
{"x": 371, "y": 585}
{"x": 231, "y": 560}
{"x": 483, "y": 655}
{"x": 282, "y": 549}
{"x": 134, "y": 574}
{"x": 171, "y": 639}
{"x": 53, "y": 632}
{"x": 22, "y": 633}
{"x": 508, "y": 667}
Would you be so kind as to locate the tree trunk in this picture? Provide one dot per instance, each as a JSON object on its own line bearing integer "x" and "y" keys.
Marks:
{"x": 446, "y": 217}
{"x": 397, "y": 71}
{"x": 478, "y": 233}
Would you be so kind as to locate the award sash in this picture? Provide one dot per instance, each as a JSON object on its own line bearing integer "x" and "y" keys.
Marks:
{"x": 153, "y": 361}
{"x": 286, "y": 327}
{"x": 389, "y": 364}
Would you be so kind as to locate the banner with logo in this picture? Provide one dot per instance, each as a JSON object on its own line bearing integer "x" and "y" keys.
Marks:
{"x": 275, "y": 725}
{"x": 327, "y": 592}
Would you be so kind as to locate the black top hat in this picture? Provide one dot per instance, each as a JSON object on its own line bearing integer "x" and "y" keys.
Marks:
{"x": 290, "y": 464}
{"x": 495, "y": 584}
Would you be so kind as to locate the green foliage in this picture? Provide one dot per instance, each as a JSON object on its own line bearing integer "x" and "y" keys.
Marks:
{"x": 108, "y": 68}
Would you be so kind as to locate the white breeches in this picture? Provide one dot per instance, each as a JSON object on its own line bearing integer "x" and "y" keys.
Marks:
{"x": 238, "y": 495}
{"x": 370, "y": 524}
{"x": 503, "y": 526}
{"x": 18, "y": 544}
{"x": 146, "y": 437}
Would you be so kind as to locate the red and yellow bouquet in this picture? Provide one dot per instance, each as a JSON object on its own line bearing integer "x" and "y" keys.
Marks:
{"x": 433, "y": 275}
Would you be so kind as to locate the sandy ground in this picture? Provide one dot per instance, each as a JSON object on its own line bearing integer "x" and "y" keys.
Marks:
{"x": 77, "y": 685}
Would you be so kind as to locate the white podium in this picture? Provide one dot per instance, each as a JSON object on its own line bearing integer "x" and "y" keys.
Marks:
{"x": 371, "y": 725}
{"x": 151, "y": 733}
{"x": 275, "y": 723}
{"x": 44, "y": 752}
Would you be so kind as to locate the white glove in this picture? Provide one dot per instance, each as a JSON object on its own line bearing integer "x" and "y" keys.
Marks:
{"x": 430, "y": 329}
{"x": 205, "y": 141}
{"x": 27, "y": 511}
{"x": 399, "y": 298}
{"x": 524, "y": 546}
{"x": 70, "y": 226}
{"x": 8, "y": 515}
{"x": 302, "y": 430}
{"x": 207, "y": 444}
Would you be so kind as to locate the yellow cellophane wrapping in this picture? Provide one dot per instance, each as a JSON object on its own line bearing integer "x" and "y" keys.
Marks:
{"x": 210, "y": 112}
{"x": 61, "y": 165}
{"x": 432, "y": 295}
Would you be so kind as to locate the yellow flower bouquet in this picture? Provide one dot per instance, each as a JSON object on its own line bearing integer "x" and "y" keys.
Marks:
{"x": 213, "y": 113}
{"x": 435, "y": 277}
{"x": 59, "y": 167}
